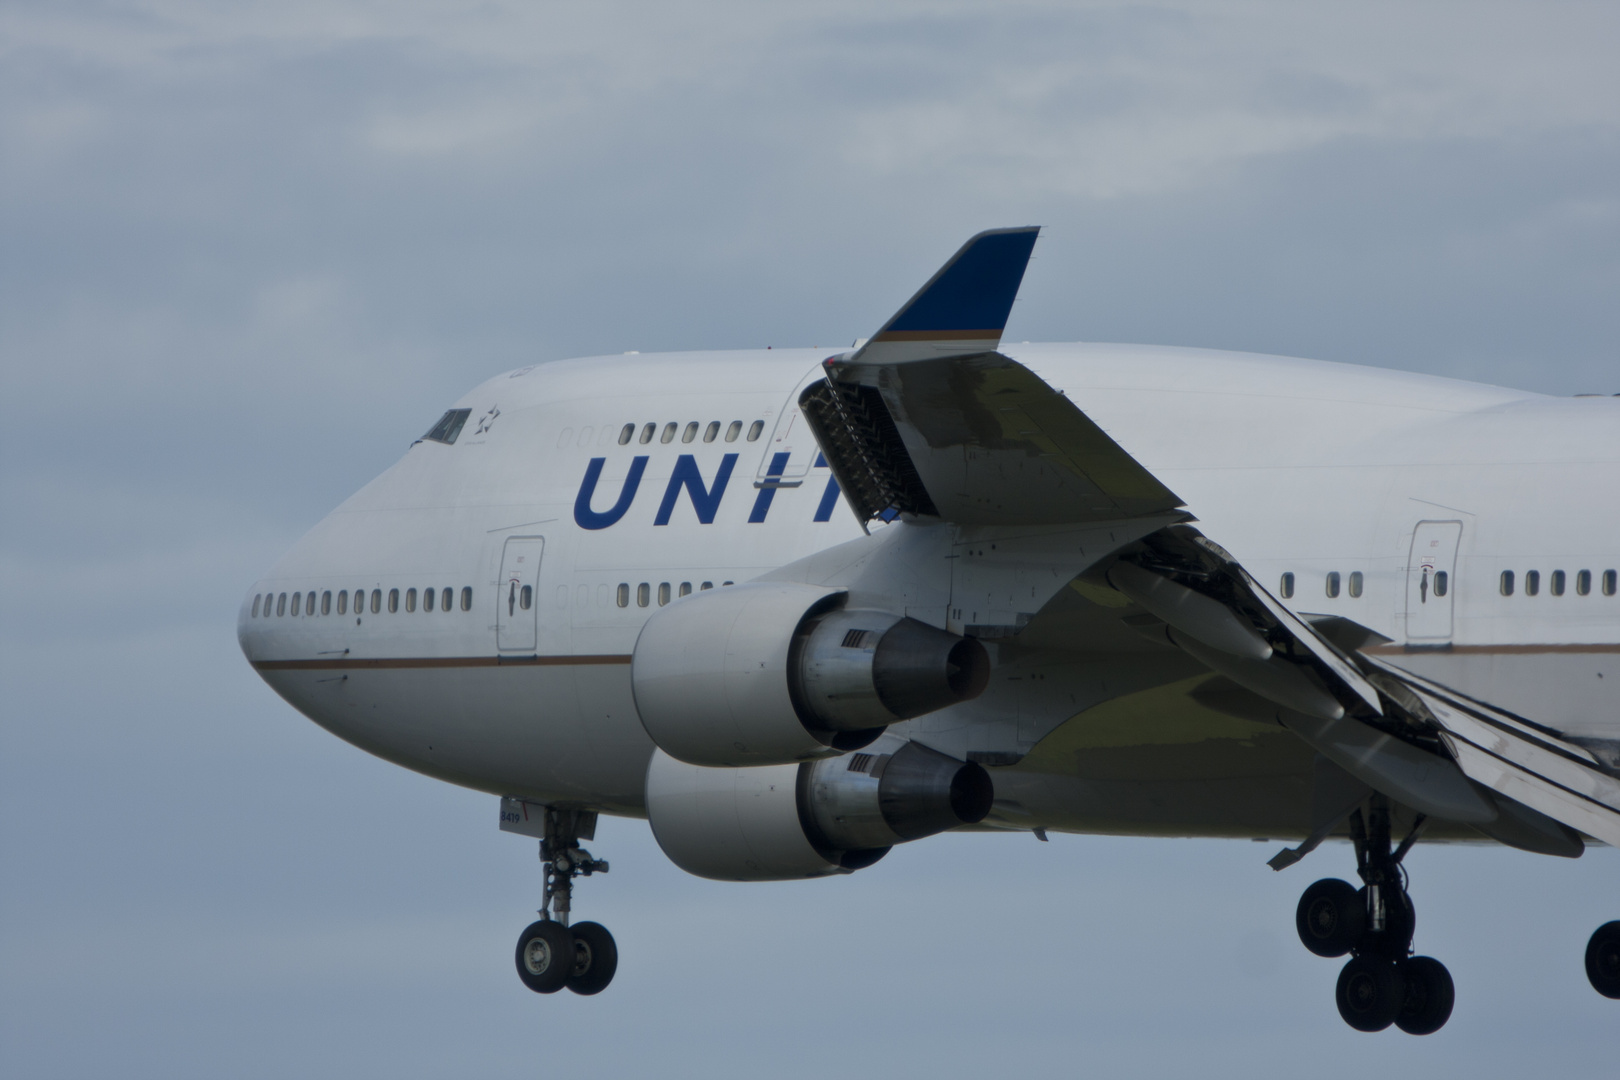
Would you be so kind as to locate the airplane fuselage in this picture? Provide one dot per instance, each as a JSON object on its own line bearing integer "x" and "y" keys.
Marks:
{"x": 472, "y": 612}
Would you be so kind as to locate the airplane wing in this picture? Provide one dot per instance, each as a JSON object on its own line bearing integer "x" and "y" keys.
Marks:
{"x": 928, "y": 420}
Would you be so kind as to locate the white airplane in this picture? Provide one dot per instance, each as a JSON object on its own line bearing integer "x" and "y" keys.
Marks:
{"x": 794, "y": 609}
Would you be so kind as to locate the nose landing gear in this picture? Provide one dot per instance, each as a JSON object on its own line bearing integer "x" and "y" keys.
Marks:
{"x": 1383, "y": 983}
{"x": 550, "y": 953}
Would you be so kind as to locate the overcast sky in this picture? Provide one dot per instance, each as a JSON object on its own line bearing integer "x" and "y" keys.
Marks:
{"x": 249, "y": 251}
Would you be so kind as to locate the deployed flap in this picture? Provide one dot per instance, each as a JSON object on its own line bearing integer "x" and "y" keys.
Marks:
{"x": 963, "y": 308}
{"x": 1520, "y": 759}
{"x": 976, "y": 440}
{"x": 927, "y": 419}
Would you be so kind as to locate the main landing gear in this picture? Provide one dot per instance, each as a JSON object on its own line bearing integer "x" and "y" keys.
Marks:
{"x": 1383, "y": 983}
{"x": 550, "y": 953}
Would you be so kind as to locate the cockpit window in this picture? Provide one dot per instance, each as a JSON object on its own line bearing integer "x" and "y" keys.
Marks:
{"x": 449, "y": 426}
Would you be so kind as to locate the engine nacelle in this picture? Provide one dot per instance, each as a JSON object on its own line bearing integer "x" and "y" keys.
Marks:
{"x": 833, "y": 816}
{"x": 772, "y": 673}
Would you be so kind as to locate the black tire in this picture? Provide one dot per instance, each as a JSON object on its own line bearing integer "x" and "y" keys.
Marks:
{"x": 1370, "y": 993}
{"x": 1331, "y": 917}
{"x": 1394, "y": 941}
{"x": 1603, "y": 960}
{"x": 596, "y": 958}
{"x": 1430, "y": 994}
{"x": 545, "y": 956}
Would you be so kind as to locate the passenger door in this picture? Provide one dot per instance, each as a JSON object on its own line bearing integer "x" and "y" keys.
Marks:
{"x": 516, "y": 599}
{"x": 1430, "y": 580}
{"x": 792, "y": 449}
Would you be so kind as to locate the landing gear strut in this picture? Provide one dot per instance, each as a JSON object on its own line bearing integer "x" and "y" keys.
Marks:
{"x": 550, "y": 953}
{"x": 1383, "y": 983}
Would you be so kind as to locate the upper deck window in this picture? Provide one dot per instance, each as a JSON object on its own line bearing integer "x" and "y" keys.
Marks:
{"x": 1557, "y": 583}
{"x": 754, "y": 429}
{"x": 1357, "y": 582}
{"x": 733, "y": 430}
{"x": 1286, "y": 586}
{"x": 626, "y": 434}
{"x": 1333, "y": 584}
{"x": 449, "y": 426}
{"x": 711, "y": 431}
{"x": 1608, "y": 582}
{"x": 1506, "y": 586}
{"x": 1532, "y": 582}
{"x": 690, "y": 433}
{"x": 1583, "y": 582}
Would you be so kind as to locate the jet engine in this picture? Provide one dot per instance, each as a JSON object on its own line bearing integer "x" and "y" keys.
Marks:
{"x": 771, "y": 673}
{"x": 832, "y": 816}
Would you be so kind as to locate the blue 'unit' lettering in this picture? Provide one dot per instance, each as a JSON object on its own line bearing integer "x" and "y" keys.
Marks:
{"x": 762, "y": 501}
{"x": 704, "y": 500}
{"x": 829, "y": 499}
{"x": 585, "y": 517}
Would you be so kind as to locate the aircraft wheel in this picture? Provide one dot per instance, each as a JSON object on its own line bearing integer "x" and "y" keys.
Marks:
{"x": 596, "y": 958}
{"x": 545, "y": 956}
{"x": 1430, "y": 995}
{"x": 1331, "y": 917}
{"x": 1603, "y": 960}
{"x": 1369, "y": 993}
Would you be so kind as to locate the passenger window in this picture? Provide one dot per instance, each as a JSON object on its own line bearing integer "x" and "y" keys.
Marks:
{"x": 526, "y": 597}
{"x": 309, "y": 603}
{"x": 627, "y": 433}
{"x": 343, "y": 602}
{"x": 466, "y": 598}
{"x": 326, "y": 602}
{"x": 647, "y": 433}
{"x": 1583, "y": 583}
{"x": 1356, "y": 582}
{"x": 663, "y": 593}
{"x": 281, "y": 604}
{"x": 622, "y": 595}
{"x": 723, "y": 584}
{"x": 1506, "y": 586}
{"x": 1532, "y": 582}
{"x": 690, "y": 433}
{"x": 1608, "y": 582}
{"x": 585, "y": 435}
{"x": 754, "y": 429}
{"x": 686, "y": 588}
{"x": 643, "y": 594}
{"x": 444, "y": 599}
{"x": 565, "y": 437}
{"x": 1441, "y": 582}
{"x": 668, "y": 435}
{"x": 410, "y": 599}
{"x": 1557, "y": 583}
{"x": 711, "y": 431}
{"x": 296, "y": 598}
{"x": 706, "y": 585}
{"x": 1333, "y": 584}
{"x": 427, "y": 599}
{"x": 256, "y": 598}
{"x": 1287, "y": 586}
{"x": 601, "y": 596}
{"x": 733, "y": 430}
{"x": 393, "y": 601}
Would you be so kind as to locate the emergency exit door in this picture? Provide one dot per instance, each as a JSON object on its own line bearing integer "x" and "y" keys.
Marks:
{"x": 1431, "y": 587}
{"x": 518, "y": 592}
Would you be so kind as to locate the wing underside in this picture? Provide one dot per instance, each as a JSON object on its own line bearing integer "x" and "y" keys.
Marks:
{"x": 939, "y": 427}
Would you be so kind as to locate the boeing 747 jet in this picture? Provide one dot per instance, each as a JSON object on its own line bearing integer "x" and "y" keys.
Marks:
{"x": 795, "y": 608}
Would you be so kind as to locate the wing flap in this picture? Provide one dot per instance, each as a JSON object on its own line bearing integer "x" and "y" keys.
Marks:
{"x": 1519, "y": 759}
